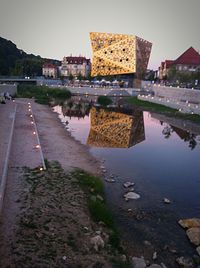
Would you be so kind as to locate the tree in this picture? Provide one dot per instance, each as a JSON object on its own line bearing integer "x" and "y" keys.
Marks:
{"x": 104, "y": 100}
{"x": 71, "y": 77}
{"x": 80, "y": 77}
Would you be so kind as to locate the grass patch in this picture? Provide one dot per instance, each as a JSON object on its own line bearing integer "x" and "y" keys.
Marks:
{"x": 159, "y": 108}
{"x": 42, "y": 94}
{"x": 150, "y": 105}
{"x": 93, "y": 187}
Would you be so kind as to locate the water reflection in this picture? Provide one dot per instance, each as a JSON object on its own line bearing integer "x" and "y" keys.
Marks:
{"x": 76, "y": 108}
{"x": 115, "y": 129}
{"x": 184, "y": 135}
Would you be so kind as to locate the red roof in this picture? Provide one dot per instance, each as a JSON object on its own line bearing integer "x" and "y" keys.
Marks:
{"x": 77, "y": 60}
{"x": 190, "y": 56}
{"x": 169, "y": 63}
{"x": 49, "y": 65}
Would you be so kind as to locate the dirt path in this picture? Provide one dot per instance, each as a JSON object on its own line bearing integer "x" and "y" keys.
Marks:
{"x": 56, "y": 143}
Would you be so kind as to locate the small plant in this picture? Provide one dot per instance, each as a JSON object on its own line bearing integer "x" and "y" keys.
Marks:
{"x": 104, "y": 100}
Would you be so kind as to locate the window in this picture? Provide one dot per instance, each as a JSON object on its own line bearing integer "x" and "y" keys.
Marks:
{"x": 124, "y": 49}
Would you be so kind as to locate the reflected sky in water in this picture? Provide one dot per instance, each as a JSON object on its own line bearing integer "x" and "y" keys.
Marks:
{"x": 162, "y": 158}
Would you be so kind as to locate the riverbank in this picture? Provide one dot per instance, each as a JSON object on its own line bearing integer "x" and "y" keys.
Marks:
{"x": 51, "y": 195}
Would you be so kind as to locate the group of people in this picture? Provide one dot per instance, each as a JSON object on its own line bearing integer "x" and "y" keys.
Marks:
{"x": 5, "y": 96}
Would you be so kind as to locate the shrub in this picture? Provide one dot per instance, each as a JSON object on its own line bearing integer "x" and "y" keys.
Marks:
{"x": 104, "y": 100}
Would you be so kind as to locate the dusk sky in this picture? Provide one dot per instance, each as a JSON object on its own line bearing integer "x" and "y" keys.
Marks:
{"x": 55, "y": 29}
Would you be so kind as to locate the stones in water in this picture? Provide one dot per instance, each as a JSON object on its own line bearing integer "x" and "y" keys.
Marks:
{"x": 194, "y": 235}
{"x": 138, "y": 262}
{"x": 166, "y": 201}
{"x": 198, "y": 250}
{"x": 131, "y": 195}
{"x": 189, "y": 223}
{"x": 193, "y": 232}
{"x": 185, "y": 262}
{"x": 154, "y": 255}
{"x": 128, "y": 184}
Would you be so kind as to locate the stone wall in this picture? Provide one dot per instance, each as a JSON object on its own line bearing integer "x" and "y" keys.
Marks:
{"x": 179, "y": 94}
{"x": 11, "y": 89}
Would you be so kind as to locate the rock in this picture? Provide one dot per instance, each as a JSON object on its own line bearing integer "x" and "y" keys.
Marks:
{"x": 102, "y": 167}
{"x": 100, "y": 197}
{"x": 138, "y": 262}
{"x": 64, "y": 258}
{"x": 184, "y": 262}
{"x": 110, "y": 180}
{"x": 154, "y": 255}
{"x": 97, "y": 242}
{"x": 189, "y": 223}
{"x": 163, "y": 265}
{"x": 98, "y": 232}
{"x": 194, "y": 235}
{"x": 128, "y": 184}
{"x": 147, "y": 243}
{"x": 123, "y": 258}
{"x": 198, "y": 250}
{"x": 155, "y": 266}
{"x": 166, "y": 201}
{"x": 129, "y": 210}
{"x": 131, "y": 195}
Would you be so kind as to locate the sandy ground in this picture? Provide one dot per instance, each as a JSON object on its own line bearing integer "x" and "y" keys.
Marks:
{"x": 56, "y": 144}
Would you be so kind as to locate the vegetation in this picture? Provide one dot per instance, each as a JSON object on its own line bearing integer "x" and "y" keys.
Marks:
{"x": 14, "y": 61}
{"x": 93, "y": 187}
{"x": 104, "y": 100}
{"x": 42, "y": 94}
{"x": 184, "y": 78}
{"x": 154, "y": 107}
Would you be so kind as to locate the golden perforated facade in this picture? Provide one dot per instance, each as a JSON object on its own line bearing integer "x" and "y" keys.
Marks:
{"x": 119, "y": 54}
{"x": 115, "y": 129}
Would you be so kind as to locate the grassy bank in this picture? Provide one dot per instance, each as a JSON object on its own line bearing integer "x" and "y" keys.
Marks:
{"x": 42, "y": 94}
{"x": 59, "y": 215}
{"x": 158, "y": 108}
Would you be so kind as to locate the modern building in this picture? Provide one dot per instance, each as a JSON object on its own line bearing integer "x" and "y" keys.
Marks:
{"x": 49, "y": 70}
{"x": 119, "y": 54}
{"x": 75, "y": 66}
{"x": 187, "y": 62}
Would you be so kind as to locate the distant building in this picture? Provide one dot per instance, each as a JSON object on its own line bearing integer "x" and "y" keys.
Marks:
{"x": 49, "y": 70}
{"x": 75, "y": 66}
{"x": 187, "y": 62}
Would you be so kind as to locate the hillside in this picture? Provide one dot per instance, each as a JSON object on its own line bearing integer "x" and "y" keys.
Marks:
{"x": 14, "y": 61}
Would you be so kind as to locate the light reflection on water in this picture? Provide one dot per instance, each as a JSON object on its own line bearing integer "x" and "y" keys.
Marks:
{"x": 163, "y": 161}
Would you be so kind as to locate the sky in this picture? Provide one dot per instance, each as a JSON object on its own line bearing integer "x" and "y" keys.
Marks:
{"x": 54, "y": 29}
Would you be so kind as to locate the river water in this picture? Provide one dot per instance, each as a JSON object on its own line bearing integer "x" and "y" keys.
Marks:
{"x": 161, "y": 156}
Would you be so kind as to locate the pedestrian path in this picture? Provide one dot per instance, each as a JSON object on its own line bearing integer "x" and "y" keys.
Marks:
{"x": 25, "y": 149}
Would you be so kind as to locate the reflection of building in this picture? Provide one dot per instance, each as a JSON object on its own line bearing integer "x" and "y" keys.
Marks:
{"x": 49, "y": 70}
{"x": 74, "y": 108}
{"x": 75, "y": 66}
{"x": 115, "y": 129}
{"x": 117, "y": 54}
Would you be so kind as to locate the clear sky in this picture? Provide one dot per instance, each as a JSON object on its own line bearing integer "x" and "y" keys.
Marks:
{"x": 54, "y": 29}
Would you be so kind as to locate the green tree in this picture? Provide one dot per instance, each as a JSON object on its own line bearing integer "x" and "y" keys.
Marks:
{"x": 71, "y": 77}
{"x": 104, "y": 100}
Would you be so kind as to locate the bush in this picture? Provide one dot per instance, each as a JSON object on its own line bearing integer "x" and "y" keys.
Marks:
{"x": 42, "y": 94}
{"x": 104, "y": 100}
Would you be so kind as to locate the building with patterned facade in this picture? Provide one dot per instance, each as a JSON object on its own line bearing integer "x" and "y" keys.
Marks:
{"x": 187, "y": 62}
{"x": 119, "y": 54}
{"x": 75, "y": 66}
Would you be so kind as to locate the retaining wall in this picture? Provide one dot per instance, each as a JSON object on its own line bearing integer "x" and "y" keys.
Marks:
{"x": 180, "y": 94}
{"x": 11, "y": 89}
